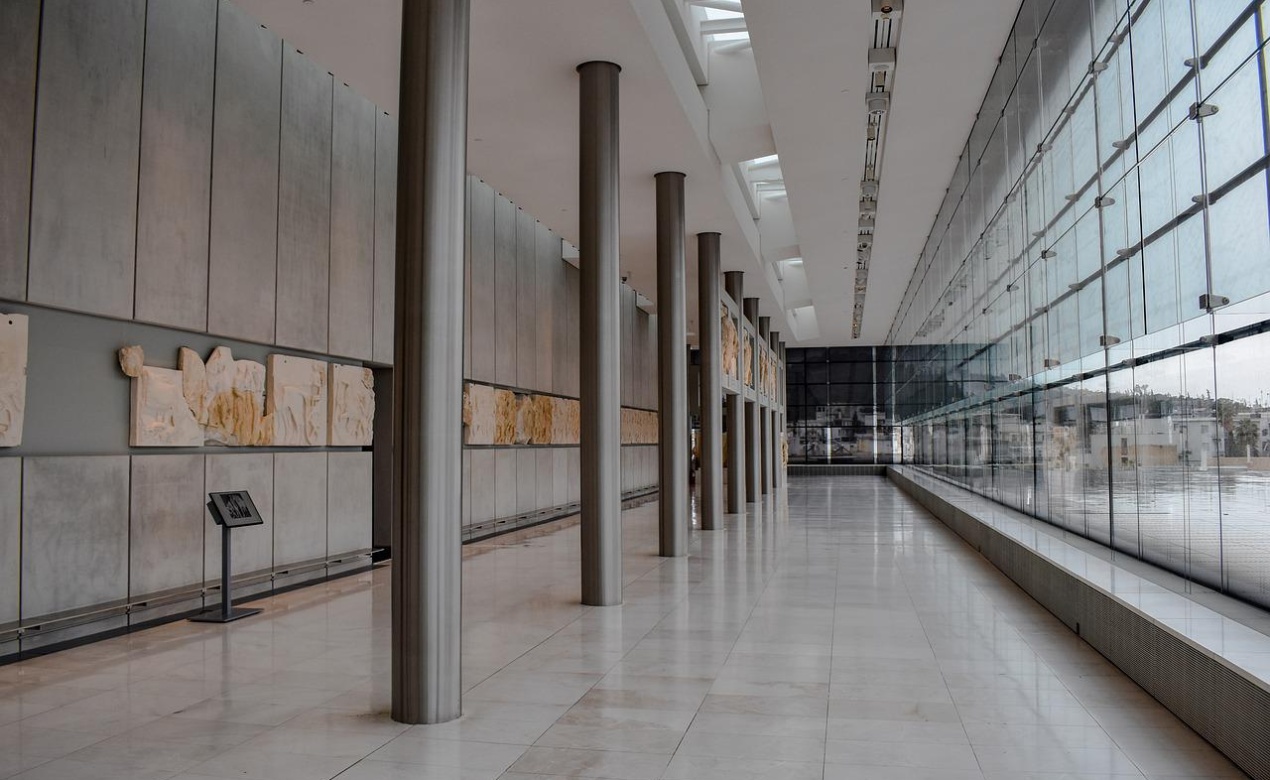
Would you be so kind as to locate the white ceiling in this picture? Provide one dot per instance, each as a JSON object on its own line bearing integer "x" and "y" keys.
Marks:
{"x": 812, "y": 65}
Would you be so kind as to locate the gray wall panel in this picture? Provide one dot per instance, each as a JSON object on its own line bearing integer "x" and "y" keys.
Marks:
{"x": 352, "y": 277}
{"x": 349, "y": 494}
{"x": 167, "y": 523}
{"x": 482, "y": 302}
{"x": 468, "y": 184}
{"x": 504, "y": 291}
{"x": 385, "y": 233}
{"x": 545, "y": 479}
{"x": 304, "y": 204}
{"x": 546, "y": 277}
{"x": 559, "y": 477}
{"x": 299, "y": 507}
{"x": 253, "y": 546}
{"x": 575, "y": 475}
{"x": 627, "y": 304}
{"x": 19, "y": 46}
{"x": 74, "y": 533}
{"x": 174, "y": 196}
{"x": 505, "y": 484}
{"x": 244, "y": 229}
{"x": 572, "y": 320}
{"x": 88, "y": 113}
{"x": 481, "y": 472}
{"x": 526, "y": 301}
{"x": 466, "y": 498}
{"x": 526, "y": 480}
{"x": 10, "y": 537}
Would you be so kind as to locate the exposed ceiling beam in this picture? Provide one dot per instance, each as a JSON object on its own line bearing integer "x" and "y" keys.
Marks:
{"x": 731, "y": 47}
{"x": 719, "y": 26}
{"x": 719, "y": 5}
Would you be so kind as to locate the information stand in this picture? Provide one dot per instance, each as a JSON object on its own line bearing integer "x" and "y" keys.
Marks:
{"x": 230, "y": 509}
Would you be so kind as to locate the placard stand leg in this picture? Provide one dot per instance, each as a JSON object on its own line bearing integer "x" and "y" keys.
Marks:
{"x": 226, "y": 612}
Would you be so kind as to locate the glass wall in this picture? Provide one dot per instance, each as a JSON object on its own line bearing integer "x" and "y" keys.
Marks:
{"x": 834, "y": 410}
{"x": 1087, "y": 334}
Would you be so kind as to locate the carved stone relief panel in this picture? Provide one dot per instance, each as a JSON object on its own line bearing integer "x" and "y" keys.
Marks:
{"x": 293, "y": 402}
{"x": 296, "y": 398}
{"x": 535, "y": 416}
{"x": 747, "y": 356}
{"x": 227, "y": 397}
{"x": 496, "y": 416}
{"x": 478, "y": 414}
{"x": 639, "y": 426}
{"x": 160, "y": 415}
{"x": 543, "y": 419}
{"x": 504, "y": 417}
{"x": 13, "y": 355}
{"x": 351, "y": 420}
{"x": 566, "y": 421}
{"x": 728, "y": 331}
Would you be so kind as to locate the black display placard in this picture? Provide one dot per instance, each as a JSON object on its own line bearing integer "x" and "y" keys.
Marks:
{"x": 234, "y": 509}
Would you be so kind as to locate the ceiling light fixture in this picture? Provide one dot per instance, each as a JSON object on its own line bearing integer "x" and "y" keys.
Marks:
{"x": 877, "y": 99}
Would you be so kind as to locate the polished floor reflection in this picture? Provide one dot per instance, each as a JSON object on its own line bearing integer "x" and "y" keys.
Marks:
{"x": 840, "y": 633}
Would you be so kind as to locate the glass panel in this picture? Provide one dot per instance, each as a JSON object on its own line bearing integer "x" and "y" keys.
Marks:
{"x": 1240, "y": 231}
{"x": 1030, "y": 289}
{"x": 1243, "y": 392}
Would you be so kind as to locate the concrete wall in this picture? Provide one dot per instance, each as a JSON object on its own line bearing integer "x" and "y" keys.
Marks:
{"x": 522, "y": 333}
{"x": 172, "y": 174}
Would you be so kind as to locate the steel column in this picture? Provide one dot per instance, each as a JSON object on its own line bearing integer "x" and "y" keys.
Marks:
{"x": 428, "y": 361}
{"x": 733, "y": 281}
{"x": 672, "y": 384}
{"x": 599, "y": 361}
{"x": 753, "y": 415}
{"x": 778, "y": 425}
{"x": 709, "y": 335}
{"x": 765, "y": 468}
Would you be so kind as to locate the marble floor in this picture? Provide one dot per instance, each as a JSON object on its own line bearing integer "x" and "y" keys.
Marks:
{"x": 836, "y": 633}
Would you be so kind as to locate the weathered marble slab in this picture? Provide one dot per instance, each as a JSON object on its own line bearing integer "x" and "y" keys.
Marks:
{"x": 160, "y": 415}
{"x": 639, "y": 426}
{"x": 351, "y": 419}
{"x": 13, "y": 359}
{"x": 490, "y": 415}
{"x": 478, "y": 414}
{"x": 533, "y": 419}
{"x": 496, "y": 416}
{"x": 747, "y": 355}
{"x": 566, "y": 421}
{"x": 540, "y": 419}
{"x": 227, "y": 397}
{"x": 296, "y": 399}
{"x": 730, "y": 346}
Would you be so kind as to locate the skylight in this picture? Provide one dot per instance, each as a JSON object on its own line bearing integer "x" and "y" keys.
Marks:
{"x": 723, "y": 22}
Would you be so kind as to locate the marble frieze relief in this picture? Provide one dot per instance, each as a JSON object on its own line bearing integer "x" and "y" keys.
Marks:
{"x": 747, "y": 356}
{"x": 288, "y": 402}
{"x": 13, "y": 360}
{"x": 495, "y": 416}
{"x": 729, "y": 342}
